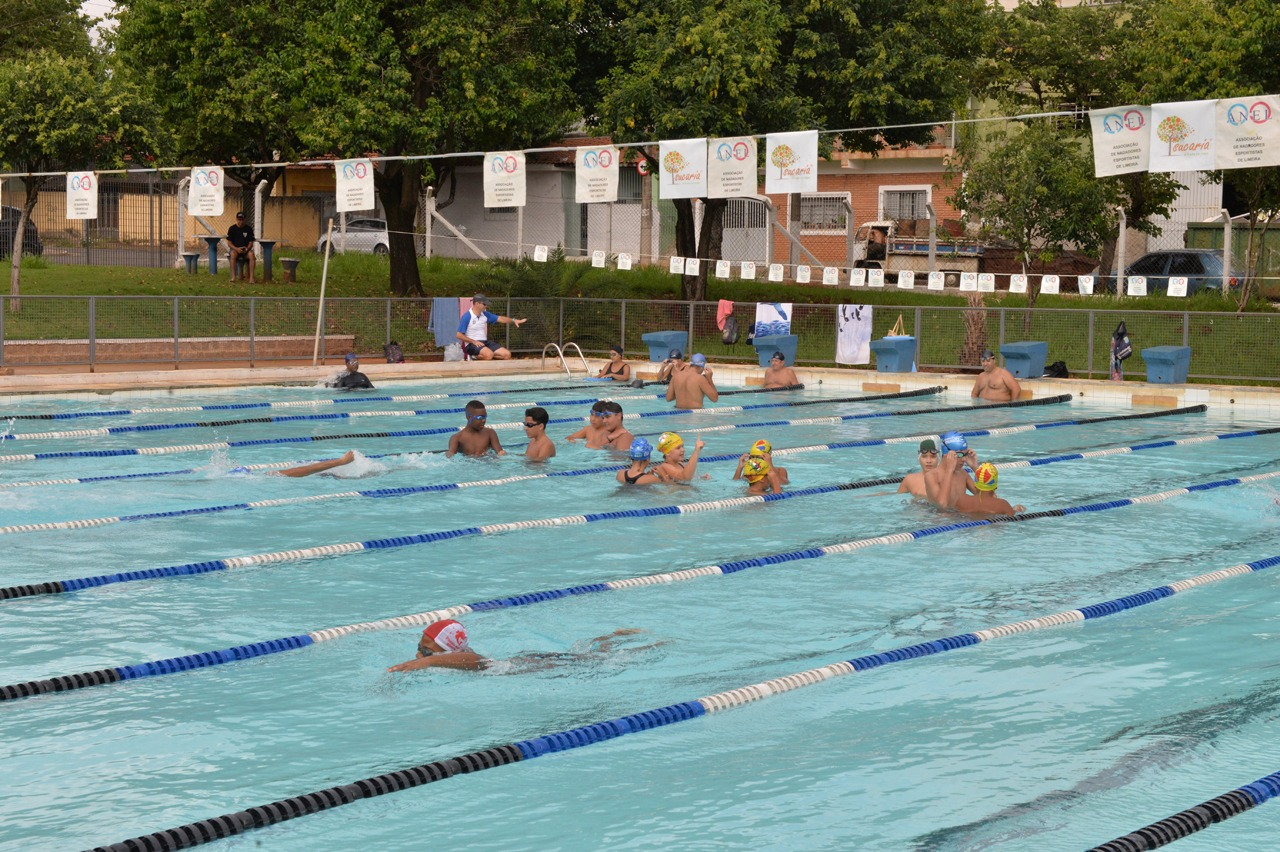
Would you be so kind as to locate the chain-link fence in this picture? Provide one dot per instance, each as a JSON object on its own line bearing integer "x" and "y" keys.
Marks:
{"x": 42, "y": 331}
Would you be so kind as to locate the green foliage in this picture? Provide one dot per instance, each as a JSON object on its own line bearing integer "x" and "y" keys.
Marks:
{"x": 29, "y": 26}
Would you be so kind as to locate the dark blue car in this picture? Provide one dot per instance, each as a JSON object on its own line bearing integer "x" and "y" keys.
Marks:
{"x": 9, "y": 227}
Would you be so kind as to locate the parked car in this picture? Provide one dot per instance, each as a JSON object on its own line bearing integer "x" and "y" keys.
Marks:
{"x": 363, "y": 235}
{"x": 9, "y": 228}
{"x": 1201, "y": 267}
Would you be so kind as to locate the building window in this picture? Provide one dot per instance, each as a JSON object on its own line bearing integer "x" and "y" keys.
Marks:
{"x": 499, "y": 214}
{"x": 904, "y": 203}
{"x": 824, "y": 213}
{"x": 630, "y": 186}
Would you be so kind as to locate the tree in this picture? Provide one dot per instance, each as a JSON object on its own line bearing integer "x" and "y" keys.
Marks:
{"x": 30, "y": 25}
{"x": 396, "y": 78}
{"x": 64, "y": 113}
{"x": 736, "y": 67}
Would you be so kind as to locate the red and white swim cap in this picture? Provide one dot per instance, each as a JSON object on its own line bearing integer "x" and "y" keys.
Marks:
{"x": 448, "y": 634}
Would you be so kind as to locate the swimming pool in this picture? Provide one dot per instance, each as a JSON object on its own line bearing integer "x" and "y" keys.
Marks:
{"x": 1059, "y": 738}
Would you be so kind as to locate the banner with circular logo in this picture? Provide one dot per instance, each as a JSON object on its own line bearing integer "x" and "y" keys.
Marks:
{"x": 1121, "y": 140}
{"x": 731, "y": 167}
{"x": 1248, "y": 132}
{"x": 82, "y": 195}
{"x": 354, "y": 185}
{"x": 504, "y": 179}
{"x": 596, "y": 174}
{"x": 205, "y": 192}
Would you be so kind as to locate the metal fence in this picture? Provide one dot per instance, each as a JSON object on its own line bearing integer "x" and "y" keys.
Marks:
{"x": 96, "y": 331}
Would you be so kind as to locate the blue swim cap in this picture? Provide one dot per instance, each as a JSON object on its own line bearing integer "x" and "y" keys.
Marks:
{"x": 239, "y": 470}
{"x": 954, "y": 442}
{"x": 640, "y": 450}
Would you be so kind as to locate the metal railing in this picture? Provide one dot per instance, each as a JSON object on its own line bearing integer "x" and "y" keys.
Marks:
{"x": 181, "y": 331}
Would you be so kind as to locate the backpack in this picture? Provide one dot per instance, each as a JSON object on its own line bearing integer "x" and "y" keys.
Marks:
{"x": 1121, "y": 348}
{"x": 730, "y": 333}
{"x": 1057, "y": 370}
{"x": 393, "y": 352}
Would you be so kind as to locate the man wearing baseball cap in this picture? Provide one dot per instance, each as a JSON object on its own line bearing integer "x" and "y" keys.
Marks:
{"x": 473, "y": 330}
{"x": 240, "y": 240}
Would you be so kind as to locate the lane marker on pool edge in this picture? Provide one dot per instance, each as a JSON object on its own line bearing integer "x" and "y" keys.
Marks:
{"x": 231, "y": 824}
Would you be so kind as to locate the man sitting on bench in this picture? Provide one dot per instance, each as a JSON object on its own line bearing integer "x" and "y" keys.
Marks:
{"x": 240, "y": 242}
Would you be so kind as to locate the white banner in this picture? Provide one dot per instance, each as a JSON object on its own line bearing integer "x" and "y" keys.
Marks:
{"x": 354, "y": 179}
{"x": 853, "y": 334}
{"x": 597, "y": 174}
{"x": 731, "y": 167}
{"x": 204, "y": 194}
{"x": 504, "y": 179}
{"x": 82, "y": 195}
{"x": 1248, "y": 132}
{"x": 1121, "y": 140}
{"x": 1182, "y": 136}
{"x": 792, "y": 162}
{"x": 683, "y": 172}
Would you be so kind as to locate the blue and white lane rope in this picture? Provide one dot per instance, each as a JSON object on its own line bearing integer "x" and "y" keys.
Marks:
{"x": 1203, "y": 815}
{"x": 354, "y": 399}
{"x": 414, "y": 433}
{"x": 837, "y": 445}
{"x": 550, "y": 743}
{"x": 351, "y": 415}
{"x": 381, "y": 493}
{"x": 55, "y": 587}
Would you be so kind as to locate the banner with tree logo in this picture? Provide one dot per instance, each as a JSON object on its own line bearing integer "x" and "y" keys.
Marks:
{"x": 1183, "y": 136}
{"x": 682, "y": 168}
{"x": 791, "y": 162}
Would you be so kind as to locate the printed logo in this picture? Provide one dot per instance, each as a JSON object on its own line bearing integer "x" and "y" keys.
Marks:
{"x": 82, "y": 182}
{"x": 354, "y": 171}
{"x": 206, "y": 178}
{"x": 507, "y": 165}
{"x": 1134, "y": 120}
{"x": 602, "y": 158}
{"x": 1237, "y": 114}
{"x": 1260, "y": 113}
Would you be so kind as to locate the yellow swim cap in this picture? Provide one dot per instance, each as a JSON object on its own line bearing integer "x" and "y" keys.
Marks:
{"x": 760, "y": 448}
{"x": 986, "y": 477}
{"x": 669, "y": 441}
{"x": 755, "y": 469}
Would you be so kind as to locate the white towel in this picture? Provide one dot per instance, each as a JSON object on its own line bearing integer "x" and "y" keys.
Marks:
{"x": 853, "y": 334}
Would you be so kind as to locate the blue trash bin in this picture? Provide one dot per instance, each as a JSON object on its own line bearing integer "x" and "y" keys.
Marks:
{"x": 662, "y": 342}
{"x": 770, "y": 343}
{"x": 1025, "y": 360}
{"x": 1167, "y": 365}
{"x": 896, "y": 354}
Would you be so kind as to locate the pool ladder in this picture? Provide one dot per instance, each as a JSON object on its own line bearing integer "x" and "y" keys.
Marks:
{"x": 560, "y": 354}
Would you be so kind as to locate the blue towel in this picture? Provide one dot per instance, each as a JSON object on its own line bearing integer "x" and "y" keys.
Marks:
{"x": 444, "y": 320}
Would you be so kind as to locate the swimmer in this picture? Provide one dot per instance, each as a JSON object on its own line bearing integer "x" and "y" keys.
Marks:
{"x": 673, "y": 364}
{"x": 944, "y": 485}
{"x": 675, "y": 467}
{"x": 986, "y": 503}
{"x": 616, "y": 435}
{"x": 616, "y": 370}
{"x": 913, "y": 483}
{"x": 316, "y": 467}
{"x": 995, "y": 384}
{"x": 540, "y": 446}
{"x": 778, "y": 374}
{"x": 764, "y": 449}
{"x": 444, "y": 644}
{"x": 476, "y": 438}
{"x": 760, "y": 476}
{"x": 595, "y": 433}
{"x": 638, "y": 474}
{"x": 689, "y": 386}
{"x": 352, "y": 379}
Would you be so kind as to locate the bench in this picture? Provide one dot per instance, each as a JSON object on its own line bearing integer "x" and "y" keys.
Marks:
{"x": 662, "y": 342}
{"x": 895, "y": 354}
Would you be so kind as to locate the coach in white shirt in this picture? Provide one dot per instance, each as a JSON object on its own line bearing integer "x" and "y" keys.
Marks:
{"x": 473, "y": 331}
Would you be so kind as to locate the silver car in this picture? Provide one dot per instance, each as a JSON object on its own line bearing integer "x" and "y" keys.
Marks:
{"x": 368, "y": 236}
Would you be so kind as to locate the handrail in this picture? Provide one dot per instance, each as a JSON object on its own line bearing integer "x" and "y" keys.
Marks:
{"x": 585, "y": 367}
{"x": 559, "y": 354}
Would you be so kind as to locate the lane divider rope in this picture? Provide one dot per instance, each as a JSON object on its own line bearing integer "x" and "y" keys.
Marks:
{"x": 188, "y": 662}
{"x": 383, "y": 493}
{"x": 415, "y": 433}
{"x": 350, "y": 415}
{"x": 230, "y": 824}
{"x": 999, "y": 432}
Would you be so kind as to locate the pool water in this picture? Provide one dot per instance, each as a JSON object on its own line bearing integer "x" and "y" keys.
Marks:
{"x": 1059, "y": 738}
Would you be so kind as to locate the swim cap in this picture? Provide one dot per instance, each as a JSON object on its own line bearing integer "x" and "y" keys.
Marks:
{"x": 954, "y": 442}
{"x": 986, "y": 477}
{"x": 448, "y": 634}
{"x": 351, "y": 356}
{"x": 240, "y": 469}
{"x": 756, "y": 468}
{"x": 669, "y": 441}
{"x": 928, "y": 445}
{"x": 640, "y": 450}
{"x": 760, "y": 448}
{"x": 698, "y": 360}
{"x": 675, "y": 355}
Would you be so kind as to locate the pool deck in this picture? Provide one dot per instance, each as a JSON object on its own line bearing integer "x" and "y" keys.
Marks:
{"x": 124, "y": 382}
